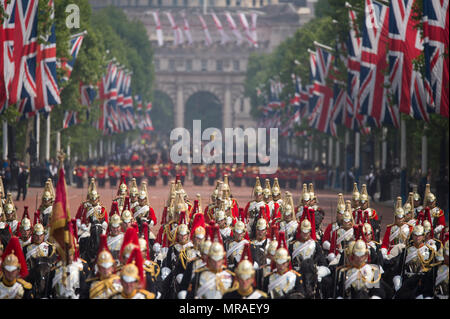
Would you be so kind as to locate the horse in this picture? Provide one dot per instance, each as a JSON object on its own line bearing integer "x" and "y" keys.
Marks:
{"x": 308, "y": 270}
{"x": 39, "y": 275}
{"x": 5, "y": 236}
{"x": 89, "y": 245}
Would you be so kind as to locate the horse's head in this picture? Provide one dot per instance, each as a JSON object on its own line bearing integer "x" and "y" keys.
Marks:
{"x": 309, "y": 276}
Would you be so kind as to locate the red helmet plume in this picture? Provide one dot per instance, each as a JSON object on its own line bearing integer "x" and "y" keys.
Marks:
{"x": 114, "y": 209}
{"x": 199, "y": 220}
{"x": 136, "y": 258}
{"x": 242, "y": 216}
{"x": 216, "y": 236}
{"x": 182, "y": 219}
{"x": 122, "y": 181}
{"x": 282, "y": 240}
{"x": 130, "y": 237}
{"x": 25, "y": 213}
{"x": 126, "y": 205}
{"x": 145, "y": 231}
{"x": 308, "y": 213}
{"x": 37, "y": 217}
{"x": 164, "y": 216}
{"x": 247, "y": 253}
{"x": 14, "y": 247}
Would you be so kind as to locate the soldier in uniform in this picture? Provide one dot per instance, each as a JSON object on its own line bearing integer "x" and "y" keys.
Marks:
{"x": 143, "y": 212}
{"x": 152, "y": 270}
{"x": 211, "y": 207}
{"x": 414, "y": 275}
{"x": 40, "y": 256}
{"x": 113, "y": 174}
{"x": 221, "y": 220}
{"x": 46, "y": 207}
{"x": 441, "y": 277}
{"x": 105, "y": 282}
{"x": 14, "y": 270}
{"x": 212, "y": 281}
{"x": 340, "y": 210}
{"x": 245, "y": 277}
{"x": 359, "y": 280}
{"x": 127, "y": 220}
{"x": 288, "y": 223}
{"x": 24, "y": 230}
{"x": 231, "y": 204}
{"x": 235, "y": 246}
{"x": 69, "y": 280}
{"x": 267, "y": 196}
{"x": 134, "y": 193}
{"x": 277, "y": 200}
{"x": 138, "y": 172}
{"x": 284, "y": 281}
{"x": 355, "y": 199}
{"x": 114, "y": 233}
{"x": 253, "y": 208}
{"x": 79, "y": 175}
{"x": 437, "y": 214}
{"x": 303, "y": 248}
{"x": 132, "y": 279}
{"x": 10, "y": 213}
{"x": 165, "y": 172}
{"x": 95, "y": 212}
{"x": 261, "y": 241}
{"x": 305, "y": 198}
{"x": 122, "y": 192}
{"x": 397, "y": 233}
{"x": 366, "y": 214}
{"x": 408, "y": 207}
{"x": 100, "y": 175}
{"x": 341, "y": 237}
{"x": 417, "y": 202}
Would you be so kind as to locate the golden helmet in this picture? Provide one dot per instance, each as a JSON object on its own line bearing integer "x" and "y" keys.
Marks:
{"x": 143, "y": 192}
{"x": 261, "y": 224}
{"x": 142, "y": 195}
{"x": 123, "y": 188}
{"x": 426, "y": 226}
{"x": 133, "y": 187}
{"x": 305, "y": 226}
{"x": 115, "y": 221}
{"x": 347, "y": 217}
{"x": 127, "y": 216}
{"x": 418, "y": 230}
{"x": 282, "y": 256}
{"x": 105, "y": 259}
{"x": 25, "y": 224}
{"x": 225, "y": 185}
{"x": 205, "y": 246}
{"x": 257, "y": 190}
{"x": 130, "y": 273}
{"x": 9, "y": 204}
{"x": 182, "y": 229}
{"x": 272, "y": 248}
{"x": 364, "y": 196}
{"x": 312, "y": 195}
{"x": 93, "y": 195}
{"x": 409, "y": 205}
{"x": 429, "y": 196}
{"x": 47, "y": 196}
{"x": 239, "y": 227}
{"x": 355, "y": 194}
{"x": 267, "y": 191}
{"x": 200, "y": 232}
{"x": 359, "y": 248}
{"x": 245, "y": 269}
{"x": 276, "y": 187}
{"x": 341, "y": 204}
{"x": 399, "y": 212}
{"x": 306, "y": 196}
{"x": 127, "y": 250}
{"x": 216, "y": 251}
{"x": 219, "y": 215}
{"x": 11, "y": 262}
{"x": 38, "y": 229}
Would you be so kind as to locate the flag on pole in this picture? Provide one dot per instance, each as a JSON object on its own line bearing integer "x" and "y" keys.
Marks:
{"x": 159, "y": 34}
{"x": 60, "y": 219}
{"x": 233, "y": 28}
{"x": 187, "y": 29}
{"x": 436, "y": 46}
{"x": 224, "y": 37}
{"x": 208, "y": 40}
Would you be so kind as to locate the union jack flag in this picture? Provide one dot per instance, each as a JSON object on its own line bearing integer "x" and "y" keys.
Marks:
{"x": 405, "y": 44}
{"x": 436, "y": 44}
{"x": 138, "y": 100}
{"x": 88, "y": 94}
{"x": 19, "y": 46}
{"x": 45, "y": 92}
{"x": 70, "y": 119}
{"x": 372, "y": 91}
{"x": 67, "y": 66}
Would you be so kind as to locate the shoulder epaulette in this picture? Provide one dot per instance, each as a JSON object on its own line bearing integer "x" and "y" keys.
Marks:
{"x": 201, "y": 269}
{"x": 24, "y": 283}
{"x": 262, "y": 293}
{"x": 269, "y": 274}
{"x": 92, "y": 279}
{"x": 390, "y": 225}
{"x": 147, "y": 294}
{"x": 295, "y": 272}
{"x": 230, "y": 272}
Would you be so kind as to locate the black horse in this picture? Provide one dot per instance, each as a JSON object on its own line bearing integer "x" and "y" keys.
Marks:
{"x": 308, "y": 271}
{"x": 39, "y": 276}
{"x": 5, "y": 236}
{"x": 89, "y": 245}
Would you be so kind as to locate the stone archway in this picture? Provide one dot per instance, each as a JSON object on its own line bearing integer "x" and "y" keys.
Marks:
{"x": 205, "y": 106}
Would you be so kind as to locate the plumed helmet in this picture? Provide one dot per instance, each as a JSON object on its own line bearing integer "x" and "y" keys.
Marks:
{"x": 305, "y": 226}
{"x": 13, "y": 257}
{"x": 239, "y": 227}
{"x": 282, "y": 256}
{"x": 272, "y": 248}
{"x": 105, "y": 259}
{"x": 38, "y": 229}
{"x": 225, "y": 185}
{"x": 341, "y": 204}
{"x": 142, "y": 244}
{"x": 219, "y": 215}
{"x": 347, "y": 217}
{"x": 205, "y": 246}
{"x": 200, "y": 232}
{"x": 276, "y": 187}
{"x": 364, "y": 196}
{"x": 25, "y": 224}
{"x": 306, "y": 196}
{"x": 312, "y": 194}
{"x": 416, "y": 195}
{"x": 115, "y": 221}
{"x": 128, "y": 249}
{"x": 355, "y": 194}
{"x": 93, "y": 195}
{"x": 130, "y": 273}
{"x": 143, "y": 192}
{"x": 182, "y": 229}
{"x": 261, "y": 224}
{"x": 245, "y": 269}
{"x": 399, "y": 212}
{"x": 133, "y": 187}
{"x": 257, "y": 189}
{"x": 359, "y": 248}
{"x": 426, "y": 226}
{"x": 418, "y": 230}
{"x": 9, "y": 204}
{"x": 127, "y": 216}
{"x": 47, "y": 196}
{"x": 409, "y": 205}
{"x": 428, "y": 196}
{"x": 267, "y": 191}
{"x": 216, "y": 251}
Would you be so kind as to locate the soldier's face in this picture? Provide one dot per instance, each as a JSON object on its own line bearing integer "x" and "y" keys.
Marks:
{"x": 11, "y": 275}
{"x": 25, "y": 234}
{"x": 115, "y": 230}
{"x": 183, "y": 239}
{"x": 259, "y": 197}
{"x": 216, "y": 265}
{"x": 369, "y": 236}
{"x": 418, "y": 239}
{"x": 282, "y": 268}
{"x": 305, "y": 236}
{"x": 238, "y": 236}
{"x": 129, "y": 287}
{"x": 364, "y": 204}
{"x": 408, "y": 216}
{"x": 416, "y": 203}
{"x": 261, "y": 234}
{"x": 358, "y": 261}
{"x": 245, "y": 284}
{"x": 142, "y": 201}
{"x": 400, "y": 221}
{"x": 133, "y": 197}
{"x": 105, "y": 272}
{"x": 38, "y": 239}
